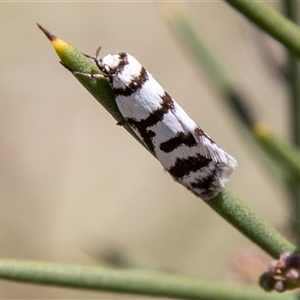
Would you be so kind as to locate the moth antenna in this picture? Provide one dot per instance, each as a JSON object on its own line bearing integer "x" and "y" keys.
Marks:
{"x": 97, "y": 52}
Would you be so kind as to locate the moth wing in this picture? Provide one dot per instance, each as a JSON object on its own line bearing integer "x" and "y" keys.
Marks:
{"x": 224, "y": 163}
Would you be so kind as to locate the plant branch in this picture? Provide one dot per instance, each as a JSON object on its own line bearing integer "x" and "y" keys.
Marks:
{"x": 246, "y": 221}
{"x": 148, "y": 283}
{"x": 271, "y": 21}
{"x": 291, "y": 11}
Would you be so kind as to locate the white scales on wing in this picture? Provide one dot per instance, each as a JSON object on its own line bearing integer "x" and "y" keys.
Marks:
{"x": 183, "y": 148}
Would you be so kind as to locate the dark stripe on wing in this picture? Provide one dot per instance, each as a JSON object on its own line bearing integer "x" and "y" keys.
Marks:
{"x": 205, "y": 187}
{"x": 204, "y": 183}
{"x": 199, "y": 132}
{"x": 134, "y": 85}
{"x": 180, "y": 139}
{"x": 155, "y": 117}
{"x": 123, "y": 62}
{"x": 184, "y": 166}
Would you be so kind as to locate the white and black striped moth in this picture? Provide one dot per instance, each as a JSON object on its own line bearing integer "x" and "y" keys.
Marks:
{"x": 184, "y": 149}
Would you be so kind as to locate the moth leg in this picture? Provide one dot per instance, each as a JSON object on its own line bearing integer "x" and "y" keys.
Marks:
{"x": 91, "y": 76}
{"x": 89, "y": 56}
{"x": 95, "y": 58}
{"x": 122, "y": 122}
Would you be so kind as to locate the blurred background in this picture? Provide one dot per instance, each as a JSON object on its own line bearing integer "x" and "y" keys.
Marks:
{"x": 76, "y": 188}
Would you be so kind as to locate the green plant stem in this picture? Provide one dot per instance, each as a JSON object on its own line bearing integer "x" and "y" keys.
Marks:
{"x": 252, "y": 226}
{"x": 291, "y": 9}
{"x": 271, "y": 21}
{"x": 135, "y": 282}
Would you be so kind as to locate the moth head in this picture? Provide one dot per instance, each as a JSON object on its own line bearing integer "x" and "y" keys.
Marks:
{"x": 120, "y": 69}
{"x": 110, "y": 65}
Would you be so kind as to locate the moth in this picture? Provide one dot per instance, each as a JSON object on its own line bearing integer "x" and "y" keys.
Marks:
{"x": 186, "y": 152}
